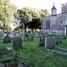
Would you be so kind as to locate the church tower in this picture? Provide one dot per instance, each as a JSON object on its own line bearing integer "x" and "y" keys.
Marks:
{"x": 53, "y": 11}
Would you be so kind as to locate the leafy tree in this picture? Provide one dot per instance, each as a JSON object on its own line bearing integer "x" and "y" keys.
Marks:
{"x": 6, "y": 13}
{"x": 44, "y": 12}
{"x": 35, "y": 24}
{"x": 26, "y": 14}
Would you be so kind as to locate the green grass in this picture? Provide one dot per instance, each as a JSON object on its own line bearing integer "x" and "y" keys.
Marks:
{"x": 36, "y": 56}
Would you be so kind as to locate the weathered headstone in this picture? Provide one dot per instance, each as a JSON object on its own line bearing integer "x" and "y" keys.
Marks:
{"x": 41, "y": 41}
{"x": 49, "y": 42}
{"x": 1, "y": 34}
{"x": 36, "y": 35}
{"x": 7, "y": 39}
{"x": 57, "y": 40}
{"x": 17, "y": 34}
{"x": 31, "y": 37}
{"x": 17, "y": 43}
{"x": 65, "y": 30}
{"x": 11, "y": 36}
{"x": 26, "y": 37}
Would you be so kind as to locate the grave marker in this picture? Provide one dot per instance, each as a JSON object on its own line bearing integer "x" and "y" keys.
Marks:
{"x": 17, "y": 43}
{"x": 49, "y": 42}
{"x": 7, "y": 39}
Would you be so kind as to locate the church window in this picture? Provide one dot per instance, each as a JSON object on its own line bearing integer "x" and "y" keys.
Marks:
{"x": 61, "y": 21}
{"x": 48, "y": 24}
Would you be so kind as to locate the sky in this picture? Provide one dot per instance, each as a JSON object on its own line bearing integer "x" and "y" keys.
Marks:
{"x": 40, "y": 4}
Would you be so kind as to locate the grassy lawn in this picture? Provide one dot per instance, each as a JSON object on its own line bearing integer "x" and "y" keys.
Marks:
{"x": 36, "y": 56}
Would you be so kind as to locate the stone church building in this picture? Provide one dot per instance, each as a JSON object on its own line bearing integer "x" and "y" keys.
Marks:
{"x": 55, "y": 24}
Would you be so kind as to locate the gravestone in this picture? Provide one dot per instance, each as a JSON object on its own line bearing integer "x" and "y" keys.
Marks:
{"x": 11, "y": 36}
{"x": 31, "y": 37}
{"x": 17, "y": 42}
{"x": 49, "y": 42}
{"x": 41, "y": 41}
{"x": 36, "y": 35}
{"x": 65, "y": 30}
{"x": 20, "y": 33}
{"x": 7, "y": 39}
{"x": 26, "y": 37}
{"x": 57, "y": 40}
{"x": 17, "y": 34}
{"x": 1, "y": 34}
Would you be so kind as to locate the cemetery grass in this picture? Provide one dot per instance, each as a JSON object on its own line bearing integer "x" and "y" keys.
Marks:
{"x": 36, "y": 56}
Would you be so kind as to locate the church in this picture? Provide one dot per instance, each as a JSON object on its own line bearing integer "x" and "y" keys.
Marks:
{"x": 55, "y": 23}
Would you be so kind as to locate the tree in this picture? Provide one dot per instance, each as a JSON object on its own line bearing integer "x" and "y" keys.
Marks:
{"x": 44, "y": 12}
{"x": 27, "y": 14}
{"x": 24, "y": 16}
{"x": 6, "y": 13}
{"x": 36, "y": 16}
{"x": 34, "y": 24}
{"x": 37, "y": 20}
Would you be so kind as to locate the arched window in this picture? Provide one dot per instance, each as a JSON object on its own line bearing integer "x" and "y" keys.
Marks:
{"x": 62, "y": 25}
{"x": 48, "y": 24}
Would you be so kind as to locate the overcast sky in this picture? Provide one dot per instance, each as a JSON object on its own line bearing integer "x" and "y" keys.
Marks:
{"x": 39, "y": 4}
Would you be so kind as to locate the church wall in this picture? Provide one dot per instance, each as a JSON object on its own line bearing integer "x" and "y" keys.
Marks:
{"x": 46, "y": 18}
{"x": 57, "y": 22}
{"x": 53, "y": 22}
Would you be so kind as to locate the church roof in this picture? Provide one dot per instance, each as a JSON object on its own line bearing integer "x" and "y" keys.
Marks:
{"x": 53, "y": 7}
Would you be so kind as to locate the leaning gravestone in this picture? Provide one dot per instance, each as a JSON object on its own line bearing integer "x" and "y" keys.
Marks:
{"x": 17, "y": 43}
{"x": 7, "y": 39}
{"x": 49, "y": 42}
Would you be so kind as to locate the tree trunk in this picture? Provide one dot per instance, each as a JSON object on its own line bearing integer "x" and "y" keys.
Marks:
{"x": 32, "y": 30}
